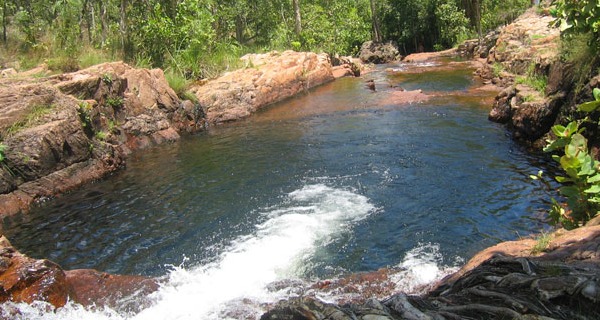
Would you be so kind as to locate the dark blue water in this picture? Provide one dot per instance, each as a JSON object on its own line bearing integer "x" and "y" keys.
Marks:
{"x": 436, "y": 172}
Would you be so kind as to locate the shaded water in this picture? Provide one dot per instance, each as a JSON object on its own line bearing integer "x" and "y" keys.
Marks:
{"x": 335, "y": 181}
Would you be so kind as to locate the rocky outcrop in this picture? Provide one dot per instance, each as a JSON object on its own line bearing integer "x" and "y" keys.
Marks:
{"x": 266, "y": 79}
{"x": 373, "y": 52}
{"x": 24, "y": 279}
{"x": 525, "y": 61}
{"x": 65, "y": 130}
{"x": 62, "y": 131}
{"x": 512, "y": 280}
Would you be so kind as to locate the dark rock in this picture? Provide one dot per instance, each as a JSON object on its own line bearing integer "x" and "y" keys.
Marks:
{"x": 373, "y": 52}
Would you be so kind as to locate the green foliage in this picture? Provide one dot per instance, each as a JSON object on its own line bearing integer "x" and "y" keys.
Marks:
{"x": 114, "y": 102}
{"x": 542, "y": 243}
{"x": 497, "y": 69}
{"x": 577, "y": 17}
{"x": 2, "y": 156}
{"x": 581, "y": 182}
{"x": 453, "y": 24}
{"x": 84, "y": 110}
{"x": 534, "y": 80}
{"x": 101, "y": 135}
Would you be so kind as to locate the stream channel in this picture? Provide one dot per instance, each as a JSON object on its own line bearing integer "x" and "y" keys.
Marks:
{"x": 336, "y": 181}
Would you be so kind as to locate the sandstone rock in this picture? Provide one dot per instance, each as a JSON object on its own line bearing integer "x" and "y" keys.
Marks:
{"x": 268, "y": 78}
{"x": 124, "y": 293}
{"x": 10, "y": 72}
{"x": 372, "y": 52}
{"x": 23, "y": 279}
{"x": 529, "y": 115}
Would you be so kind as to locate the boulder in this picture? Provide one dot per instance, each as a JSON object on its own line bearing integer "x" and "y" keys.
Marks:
{"x": 23, "y": 279}
{"x": 528, "y": 115}
{"x": 267, "y": 78}
{"x": 373, "y": 52}
{"x": 121, "y": 292}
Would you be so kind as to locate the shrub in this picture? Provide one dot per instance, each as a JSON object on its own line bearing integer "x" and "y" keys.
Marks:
{"x": 581, "y": 184}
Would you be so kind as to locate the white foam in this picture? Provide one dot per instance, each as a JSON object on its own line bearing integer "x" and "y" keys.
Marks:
{"x": 308, "y": 218}
{"x": 421, "y": 266}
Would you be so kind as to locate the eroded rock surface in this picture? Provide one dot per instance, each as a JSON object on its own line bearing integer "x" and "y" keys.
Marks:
{"x": 267, "y": 78}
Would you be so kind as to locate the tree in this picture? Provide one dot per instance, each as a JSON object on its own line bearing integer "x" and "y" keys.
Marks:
{"x": 375, "y": 21}
{"x": 297, "y": 17}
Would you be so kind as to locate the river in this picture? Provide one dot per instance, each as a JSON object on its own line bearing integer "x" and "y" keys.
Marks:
{"x": 338, "y": 180}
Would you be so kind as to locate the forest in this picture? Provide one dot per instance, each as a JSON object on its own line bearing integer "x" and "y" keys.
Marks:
{"x": 201, "y": 38}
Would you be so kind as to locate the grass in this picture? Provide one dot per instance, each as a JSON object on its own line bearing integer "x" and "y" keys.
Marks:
{"x": 37, "y": 112}
{"x": 497, "y": 69}
{"x": 534, "y": 80}
{"x": 543, "y": 240}
{"x": 539, "y": 83}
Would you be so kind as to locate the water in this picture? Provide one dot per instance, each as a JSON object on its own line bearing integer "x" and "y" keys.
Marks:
{"x": 338, "y": 180}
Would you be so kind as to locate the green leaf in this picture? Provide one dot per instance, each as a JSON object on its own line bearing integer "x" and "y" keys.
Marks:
{"x": 558, "y": 130}
{"x": 593, "y": 189}
{"x": 594, "y": 179}
{"x": 589, "y": 106}
{"x": 569, "y": 191}
{"x": 596, "y": 91}
{"x": 562, "y": 179}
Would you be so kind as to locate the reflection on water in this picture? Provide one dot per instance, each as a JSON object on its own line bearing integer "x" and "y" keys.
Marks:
{"x": 433, "y": 172}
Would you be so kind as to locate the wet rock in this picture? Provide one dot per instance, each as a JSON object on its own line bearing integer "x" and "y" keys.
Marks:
{"x": 373, "y": 52}
{"x": 267, "y": 78}
{"x": 23, "y": 279}
{"x": 120, "y": 292}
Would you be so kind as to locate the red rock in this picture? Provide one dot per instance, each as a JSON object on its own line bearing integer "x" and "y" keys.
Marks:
{"x": 91, "y": 287}
{"x": 23, "y": 279}
{"x": 268, "y": 78}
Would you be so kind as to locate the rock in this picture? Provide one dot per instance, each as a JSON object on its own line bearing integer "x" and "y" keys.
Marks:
{"x": 23, "y": 279}
{"x": 6, "y": 73}
{"x": 268, "y": 78}
{"x": 65, "y": 130}
{"x": 123, "y": 293}
{"x": 372, "y": 52}
{"x": 529, "y": 115}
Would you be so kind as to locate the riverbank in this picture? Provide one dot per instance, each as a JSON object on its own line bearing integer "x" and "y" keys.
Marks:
{"x": 62, "y": 131}
{"x": 555, "y": 279}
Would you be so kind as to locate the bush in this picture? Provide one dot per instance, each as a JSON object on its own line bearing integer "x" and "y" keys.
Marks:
{"x": 581, "y": 184}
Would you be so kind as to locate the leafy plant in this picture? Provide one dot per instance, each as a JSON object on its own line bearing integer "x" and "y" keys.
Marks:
{"x": 577, "y": 16}
{"x": 581, "y": 182}
{"x": 2, "y": 156}
{"x": 114, "y": 102}
{"x": 542, "y": 243}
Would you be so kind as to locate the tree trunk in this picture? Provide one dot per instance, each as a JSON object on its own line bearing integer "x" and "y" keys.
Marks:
{"x": 103, "y": 23}
{"x": 125, "y": 45}
{"x": 297, "y": 17}
{"x": 4, "y": 8}
{"x": 240, "y": 27}
{"x": 376, "y": 30}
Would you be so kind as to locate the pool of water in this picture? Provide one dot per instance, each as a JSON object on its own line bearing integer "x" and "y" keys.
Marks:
{"x": 331, "y": 182}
